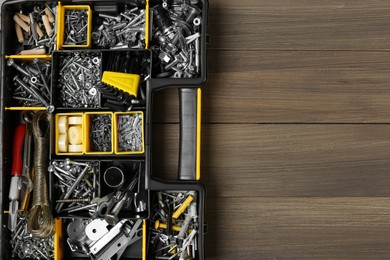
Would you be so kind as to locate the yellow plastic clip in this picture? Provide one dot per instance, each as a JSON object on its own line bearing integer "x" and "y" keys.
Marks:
{"x": 123, "y": 81}
{"x": 183, "y": 207}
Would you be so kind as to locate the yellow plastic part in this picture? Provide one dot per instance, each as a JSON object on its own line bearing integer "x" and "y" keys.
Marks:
{"x": 115, "y": 136}
{"x": 58, "y": 239}
{"x": 183, "y": 207}
{"x": 28, "y": 57}
{"x": 61, "y": 26}
{"x": 25, "y": 108}
{"x": 87, "y": 131}
{"x": 144, "y": 240}
{"x": 57, "y": 133}
{"x": 198, "y": 132}
{"x": 123, "y": 81}
{"x": 158, "y": 225}
{"x": 147, "y": 17}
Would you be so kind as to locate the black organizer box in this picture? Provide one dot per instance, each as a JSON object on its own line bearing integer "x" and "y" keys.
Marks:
{"x": 188, "y": 109}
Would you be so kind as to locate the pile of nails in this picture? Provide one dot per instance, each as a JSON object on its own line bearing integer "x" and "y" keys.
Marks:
{"x": 174, "y": 234}
{"x": 32, "y": 81}
{"x": 130, "y": 132}
{"x": 76, "y": 182}
{"x": 36, "y": 31}
{"x": 24, "y": 245}
{"x": 76, "y": 27}
{"x": 176, "y": 40}
{"x": 126, "y": 30}
{"x": 101, "y": 133}
{"x": 79, "y": 74}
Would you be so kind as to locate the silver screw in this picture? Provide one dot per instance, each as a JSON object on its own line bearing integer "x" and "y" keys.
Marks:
{"x": 31, "y": 91}
{"x": 11, "y": 62}
{"x": 116, "y": 18}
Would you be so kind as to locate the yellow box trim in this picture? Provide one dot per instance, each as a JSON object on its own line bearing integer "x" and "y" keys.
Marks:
{"x": 58, "y": 242}
{"x": 61, "y": 27}
{"x": 198, "y": 132}
{"x": 60, "y": 33}
{"x": 116, "y": 143}
{"x": 87, "y": 127}
{"x": 144, "y": 240}
{"x": 147, "y": 17}
{"x": 25, "y": 108}
{"x": 28, "y": 57}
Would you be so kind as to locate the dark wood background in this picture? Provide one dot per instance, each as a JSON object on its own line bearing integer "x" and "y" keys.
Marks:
{"x": 296, "y": 130}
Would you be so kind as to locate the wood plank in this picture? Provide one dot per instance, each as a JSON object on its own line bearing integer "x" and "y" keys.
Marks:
{"x": 298, "y": 228}
{"x": 304, "y": 86}
{"x": 285, "y": 160}
{"x": 299, "y": 25}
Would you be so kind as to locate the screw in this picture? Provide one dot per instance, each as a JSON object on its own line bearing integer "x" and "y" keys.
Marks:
{"x": 72, "y": 188}
{"x": 74, "y": 200}
{"x": 11, "y": 62}
{"x": 31, "y": 91}
{"x": 110, "y": 17}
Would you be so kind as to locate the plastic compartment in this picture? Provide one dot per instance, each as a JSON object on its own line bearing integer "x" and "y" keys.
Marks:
{"x": 11, "y": 72}
{"x": 176, "y": 187}
{"x": 118, "y": 149}
{"x": 56, "y": 77}
{"x": 10, "y": 44}
{"x": 87, "y": 133}
{"x": 129, "y": 168}
{"x": 57, "y": 133}
{"x": 62, "y": 9}
{"x": 115, "y": 9}
{"x": 134, "y": 251}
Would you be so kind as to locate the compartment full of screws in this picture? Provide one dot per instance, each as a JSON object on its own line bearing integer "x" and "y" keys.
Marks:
{"x": 31, "y": 82}
{"x": 75, "y": 75}
{"x": 76, "y": 25}
{"x": 24, "y": 245}
{"x": 176, "y": 39}
{"x": 74, "y": 185}
{"x": 99, "y": 130}
{"x": 174, "y": 225}
{"x": 129, "y": 129}
{"x": 35, "y": 29}
{"x": 122, "y": 31}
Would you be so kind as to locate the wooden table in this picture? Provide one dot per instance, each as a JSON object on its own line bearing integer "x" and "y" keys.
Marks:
{"x": 296, "y": 133}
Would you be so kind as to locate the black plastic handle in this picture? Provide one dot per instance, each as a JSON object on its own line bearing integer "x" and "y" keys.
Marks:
{"x": 189, "y": 133}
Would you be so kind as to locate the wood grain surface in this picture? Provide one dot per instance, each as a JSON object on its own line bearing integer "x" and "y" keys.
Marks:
{"x": 296, "y": 130}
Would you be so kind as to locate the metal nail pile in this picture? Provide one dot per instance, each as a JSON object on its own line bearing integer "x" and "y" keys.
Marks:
{"x": 176, "y": 40}
{"x": 79, "y": 74}
{"x": 174, "y": 233}
{"x": 32, "y": 81}
{"x": 36, "y": 31}
{"x": 130, "y": 132}
{"x": 24, "y": 245}
{"x": 126, "y": 30}
{"x": 101, "y": 133}
{"x": 76, "y": 27}
{"x": 76, "y": 183}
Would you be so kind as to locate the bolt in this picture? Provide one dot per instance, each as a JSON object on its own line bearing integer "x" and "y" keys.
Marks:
{"x": 35, "y": 61}
{"x": 74, "y": 200}
{"x": 31, "y": 91}
{"x": 73, "y": 187}
{"x": 110, "y": 17}
{"x": 11, "y": 62}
